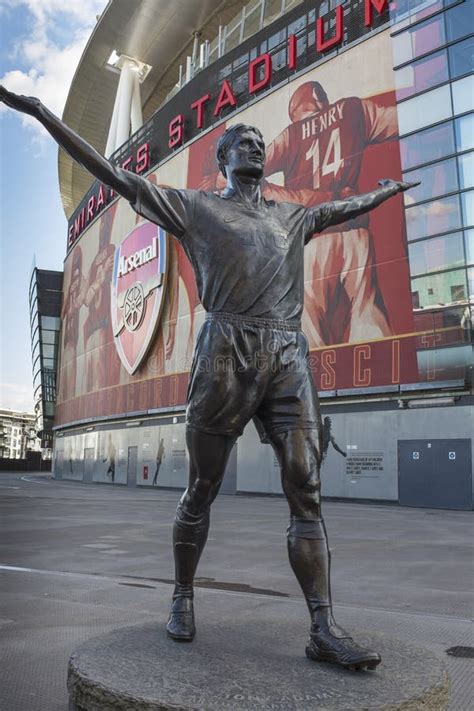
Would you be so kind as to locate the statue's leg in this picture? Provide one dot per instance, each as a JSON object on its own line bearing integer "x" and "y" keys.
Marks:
{"x": 208, "y": 456}
{"x": 309, "y": 553}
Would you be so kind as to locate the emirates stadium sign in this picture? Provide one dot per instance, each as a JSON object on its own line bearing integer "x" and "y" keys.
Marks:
{"x": 230, "y": 83}
{"x": 138, "y": 285}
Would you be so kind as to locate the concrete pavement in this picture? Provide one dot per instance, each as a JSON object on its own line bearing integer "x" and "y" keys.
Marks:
{"x": 78, "y": 560}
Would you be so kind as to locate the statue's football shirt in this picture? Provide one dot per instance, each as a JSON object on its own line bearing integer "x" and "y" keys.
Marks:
{"x": 247, "y": 260}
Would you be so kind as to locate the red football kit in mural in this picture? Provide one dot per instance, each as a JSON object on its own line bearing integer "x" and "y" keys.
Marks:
{"x": 324, "y": 151}
{"x": 97, "y": 331}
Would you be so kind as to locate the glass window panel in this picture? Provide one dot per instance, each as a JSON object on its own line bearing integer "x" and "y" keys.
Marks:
{"x": 421, "y": 75}
{"x": 463, "y": 95}
{"x": 297, "y": 25}
{"x": 243, "y": 59}
{"x": 436, "y": 254}
{"x": 428, "y": 108}
{"x": 232, "y": 39}
{"x": 49, "y": 351}
{"x": 470, "y": 276}
{"x": 433, "y": 217}
{"x": 469, "y": 243}
{"x": 49, "y": 336}
{"x": 461, "y": 58}
{"x": 408, "y": 11}
{"x": 441, "y": 289}
{"x": 464, "y": 127}
{"x": 468, "y": 208}
{"x": 272, "y": 10}
{"x": 276, "y": 39}
{"x": 436, "y": 179}
{"x": 49, "y": 363}
{"x": 50, "y": 322}
{"x": 402, "y": 46}
{"x": 427, "y": 145}
{"x": 459, "y": 21}
{"x": 466, "y": 170}
{"x": 421, "y": 9}
{"x": 252, "y": 23}
{"x": 418, "y": 40}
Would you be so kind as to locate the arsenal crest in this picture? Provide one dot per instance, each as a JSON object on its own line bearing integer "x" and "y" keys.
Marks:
{"x": 138, "y": 282}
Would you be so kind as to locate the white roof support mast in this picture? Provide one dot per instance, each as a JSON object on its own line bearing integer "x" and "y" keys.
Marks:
{"x": 127, "y": 113}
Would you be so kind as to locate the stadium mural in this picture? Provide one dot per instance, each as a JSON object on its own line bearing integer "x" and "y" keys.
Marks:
{"x": 330, "y": 133}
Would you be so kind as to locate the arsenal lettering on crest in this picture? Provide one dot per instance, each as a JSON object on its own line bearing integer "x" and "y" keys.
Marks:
{"x": 138, "y": 283}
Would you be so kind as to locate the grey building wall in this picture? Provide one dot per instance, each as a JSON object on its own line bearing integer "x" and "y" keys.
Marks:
{"x": 368, "y": 437}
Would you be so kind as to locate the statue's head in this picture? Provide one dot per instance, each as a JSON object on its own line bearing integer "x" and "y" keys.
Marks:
{"x": 307, "y": 99}
{"x": 241, "y": 151}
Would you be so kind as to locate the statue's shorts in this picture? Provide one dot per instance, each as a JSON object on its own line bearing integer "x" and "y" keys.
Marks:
{"x": 250, "y": 368}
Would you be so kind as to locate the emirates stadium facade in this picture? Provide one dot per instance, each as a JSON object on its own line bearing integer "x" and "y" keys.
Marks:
{"x": 388, "y": 299}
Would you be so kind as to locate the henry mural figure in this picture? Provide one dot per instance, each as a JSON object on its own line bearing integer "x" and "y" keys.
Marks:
{"x": 247, "y": 254}
{"x": 322, "y": 148}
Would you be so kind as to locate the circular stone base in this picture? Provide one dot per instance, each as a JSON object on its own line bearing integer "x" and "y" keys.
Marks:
{"x": 239, "y": 668}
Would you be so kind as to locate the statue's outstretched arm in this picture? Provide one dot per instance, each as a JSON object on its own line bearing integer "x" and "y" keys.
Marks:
{"x": 122, "y": 181}
{"x": 339, "y": 211}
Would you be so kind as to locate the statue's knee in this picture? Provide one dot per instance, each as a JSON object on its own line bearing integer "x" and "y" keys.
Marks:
{"x": 194, "y": 504}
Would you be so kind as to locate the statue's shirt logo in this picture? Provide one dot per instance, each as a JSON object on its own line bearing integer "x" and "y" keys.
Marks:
{"x": 138, "y": 283}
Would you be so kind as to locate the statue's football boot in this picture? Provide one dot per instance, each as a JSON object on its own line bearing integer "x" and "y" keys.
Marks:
{"x": 332, "y": 644}
{"x": 181, "y": 625}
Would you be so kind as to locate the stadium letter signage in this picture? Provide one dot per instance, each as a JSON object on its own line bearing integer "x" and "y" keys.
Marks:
{"x": 260, "y": 72}
{"x": 196, "y": 111}
{"x": 138, "y": 283}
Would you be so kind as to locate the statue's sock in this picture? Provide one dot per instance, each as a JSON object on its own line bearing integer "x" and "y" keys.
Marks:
{"x": 189, "y": 538}
{"x": 310, "y": 561}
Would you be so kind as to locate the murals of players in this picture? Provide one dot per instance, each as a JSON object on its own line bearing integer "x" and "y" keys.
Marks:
{"x": 73, "y": 301}
{"x": 356, "y": 280}
{"x": 97, "y": 301}
{"x": 160, "y": 455}
{"x": 322, "y": 149}
{"x": 110, "y": 459}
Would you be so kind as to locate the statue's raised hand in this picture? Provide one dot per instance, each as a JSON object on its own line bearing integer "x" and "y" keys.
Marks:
{"x": 402, "y": 186}
{"x": 25, "y": 104}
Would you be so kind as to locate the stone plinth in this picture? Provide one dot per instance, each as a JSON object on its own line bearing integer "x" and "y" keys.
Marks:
{"x": 245, "y": 668}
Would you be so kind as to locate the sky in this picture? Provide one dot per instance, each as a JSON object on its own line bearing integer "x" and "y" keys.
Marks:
{"x": 41, "y": 44}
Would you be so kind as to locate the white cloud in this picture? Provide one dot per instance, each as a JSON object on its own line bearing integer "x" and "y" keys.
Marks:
{"x": 46, "y": 67}
{"x": 16, "y": 397}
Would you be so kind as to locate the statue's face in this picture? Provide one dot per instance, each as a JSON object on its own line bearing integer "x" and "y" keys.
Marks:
{"x": 246, "y": 156}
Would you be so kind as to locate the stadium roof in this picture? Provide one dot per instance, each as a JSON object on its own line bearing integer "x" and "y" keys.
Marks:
{"x": 157, "y": 32}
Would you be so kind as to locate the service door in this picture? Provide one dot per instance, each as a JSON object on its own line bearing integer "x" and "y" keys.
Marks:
{"x": 435, "y": 474}
{"x": 89, "y": 459}
{"x": 132, "y": 466}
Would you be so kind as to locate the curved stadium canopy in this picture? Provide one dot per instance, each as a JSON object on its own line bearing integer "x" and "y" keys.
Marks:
{"x": 156, "y": 32}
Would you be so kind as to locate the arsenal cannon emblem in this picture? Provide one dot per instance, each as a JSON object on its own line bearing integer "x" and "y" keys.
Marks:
{"x": 138, "y": 284}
